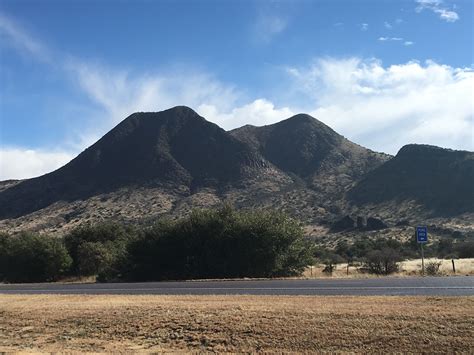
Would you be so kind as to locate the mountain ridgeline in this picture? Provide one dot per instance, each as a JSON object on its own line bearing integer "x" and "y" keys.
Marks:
{"x": 178, "y": 150}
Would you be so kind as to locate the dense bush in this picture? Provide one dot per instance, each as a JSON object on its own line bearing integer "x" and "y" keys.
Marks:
{"x": 29, "y": 257}
{"x": 99, "y": 249}
{"x": 220, "y": 243}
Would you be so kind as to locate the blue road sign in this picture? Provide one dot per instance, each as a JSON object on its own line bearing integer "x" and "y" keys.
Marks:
{"x": 421, "y": 234}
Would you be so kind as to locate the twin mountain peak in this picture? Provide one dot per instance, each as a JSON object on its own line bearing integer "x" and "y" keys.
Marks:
{"x": 178, "y": 150}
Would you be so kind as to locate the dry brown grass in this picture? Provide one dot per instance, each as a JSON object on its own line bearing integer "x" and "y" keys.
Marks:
{"x": 236, "y": 323}
{"x": 407, "y": 268}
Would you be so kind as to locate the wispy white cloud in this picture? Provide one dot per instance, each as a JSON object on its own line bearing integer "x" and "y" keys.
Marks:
{"x": 396, "y": 39}
{"x": 268, "y": 26}
{"x": 387, "y": 25}
{"x": 364, "y": 27}
{"x": 120, "y": 94}
{"x": 447, "y": 15}
{"x": 385, "y": 39}
{"x": 438, "y": 7}
{"x": 116, "y": 93}
{"x": 386, "y": 107}
{"x": 22, "y": 40}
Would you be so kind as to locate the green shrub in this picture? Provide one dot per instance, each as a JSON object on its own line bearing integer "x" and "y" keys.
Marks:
{"x": 93, "y": 257}
{"x": 29, "y": 257}
{"x": 221, "y": 243}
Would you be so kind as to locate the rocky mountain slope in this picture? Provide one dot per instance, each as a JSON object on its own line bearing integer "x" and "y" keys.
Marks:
{"x": 169, "y": 162}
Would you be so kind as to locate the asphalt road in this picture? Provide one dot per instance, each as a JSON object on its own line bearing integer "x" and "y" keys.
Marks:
{"x": 427, "y": 286}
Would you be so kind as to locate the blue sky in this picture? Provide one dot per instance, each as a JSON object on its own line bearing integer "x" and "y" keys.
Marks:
{"x": 382, "y": 73}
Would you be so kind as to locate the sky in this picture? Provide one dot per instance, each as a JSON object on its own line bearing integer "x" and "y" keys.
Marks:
{"x": 381, "y": 73}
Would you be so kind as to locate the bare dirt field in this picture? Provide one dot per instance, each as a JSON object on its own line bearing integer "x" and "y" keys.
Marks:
{"x": 236, "y": 323}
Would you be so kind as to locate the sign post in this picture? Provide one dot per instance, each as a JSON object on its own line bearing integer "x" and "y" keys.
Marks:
{"x": 422, "y": 238}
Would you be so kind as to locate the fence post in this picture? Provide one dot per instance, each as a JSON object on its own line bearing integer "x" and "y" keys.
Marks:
{"x": 422, "y": 260}
{"x": 454, "y": 267}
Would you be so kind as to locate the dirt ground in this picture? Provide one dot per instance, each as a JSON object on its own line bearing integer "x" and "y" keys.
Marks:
{"x": 90, "y": 323}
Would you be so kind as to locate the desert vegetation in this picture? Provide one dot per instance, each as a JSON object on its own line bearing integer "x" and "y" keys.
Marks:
{"x": 218, "y": 243}
{"x": 214, "y": 243}
{"x": 383, "y": 256}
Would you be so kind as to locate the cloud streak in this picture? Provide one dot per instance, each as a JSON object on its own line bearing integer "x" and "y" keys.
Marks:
{"x": 396, "y": 39}
{"x": 22, "y": 40}
{"x": 385, "y": 39}
{"x": 438, "y": 8}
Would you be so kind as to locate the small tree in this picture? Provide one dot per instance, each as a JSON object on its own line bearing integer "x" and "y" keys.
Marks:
{"x": 93, "y": 258}
{"x": 330, "y": 262}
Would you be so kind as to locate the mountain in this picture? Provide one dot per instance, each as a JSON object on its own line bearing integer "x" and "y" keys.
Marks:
{"x": 307, "y": 148}
{"x": 441, "y": 180}
{"x": 167, "y": 163}
{"x": 175, "y": 147}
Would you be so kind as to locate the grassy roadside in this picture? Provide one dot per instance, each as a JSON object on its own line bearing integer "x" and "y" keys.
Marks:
{"x": 407, "y": 268}
{"x": 236, "y": 323}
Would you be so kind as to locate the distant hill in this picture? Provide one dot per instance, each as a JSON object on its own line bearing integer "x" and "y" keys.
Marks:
{"x": 169, "y": 162}
{"x": 442, "y": 180}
